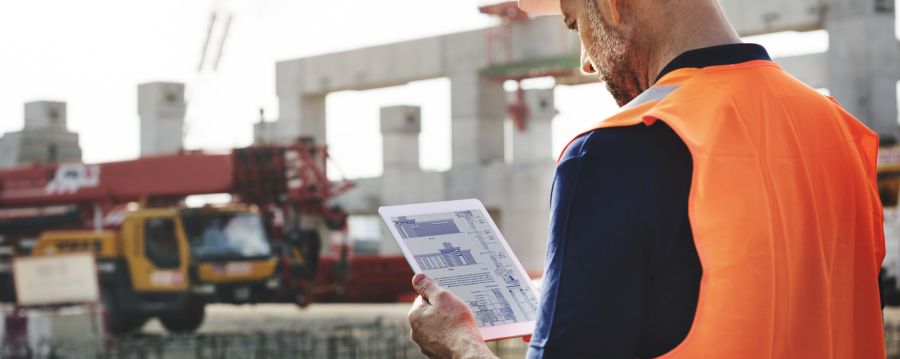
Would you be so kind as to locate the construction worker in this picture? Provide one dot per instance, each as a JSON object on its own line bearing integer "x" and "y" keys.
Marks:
{"x": 728, "y": 211}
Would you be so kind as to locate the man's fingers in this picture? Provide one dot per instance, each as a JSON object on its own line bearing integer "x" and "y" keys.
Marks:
{"x": 417, "y": 308}
{"x": 426, "y": 287}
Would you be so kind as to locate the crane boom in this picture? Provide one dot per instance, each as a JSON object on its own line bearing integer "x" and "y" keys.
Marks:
{"x": 293, "y": 174}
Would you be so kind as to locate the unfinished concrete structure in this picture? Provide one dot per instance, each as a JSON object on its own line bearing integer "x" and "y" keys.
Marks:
{"x": 861, "y": 70}
{"x": 161, "y": 107}
{"x": 45, "y": 137}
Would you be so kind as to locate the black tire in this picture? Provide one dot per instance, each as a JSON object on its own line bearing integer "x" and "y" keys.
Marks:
{"x": 185, "y": 320}
{"x": 119, "y": 321}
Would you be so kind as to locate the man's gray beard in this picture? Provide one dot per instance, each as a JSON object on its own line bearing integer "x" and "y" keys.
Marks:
{"x": 614, "y": 63}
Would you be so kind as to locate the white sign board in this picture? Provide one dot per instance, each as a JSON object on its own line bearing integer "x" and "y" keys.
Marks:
{"x": 56, "y": 279}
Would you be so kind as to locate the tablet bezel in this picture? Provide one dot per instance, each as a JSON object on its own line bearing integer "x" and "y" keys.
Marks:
{"x": 487, "y": 333}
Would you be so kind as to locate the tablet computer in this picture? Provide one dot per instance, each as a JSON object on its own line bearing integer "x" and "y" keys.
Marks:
{"x": 458, "y": 245}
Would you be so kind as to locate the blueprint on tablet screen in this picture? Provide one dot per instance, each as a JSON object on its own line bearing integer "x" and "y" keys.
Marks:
{"x": 462, "y": 253}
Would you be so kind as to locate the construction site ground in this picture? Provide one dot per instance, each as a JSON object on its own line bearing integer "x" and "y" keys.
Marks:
{"x": 359, "y": 331}
{"x": 223, "y": 319}
{"x": 272, "y": 317}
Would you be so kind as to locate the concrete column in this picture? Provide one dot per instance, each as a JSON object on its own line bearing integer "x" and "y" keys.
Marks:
{"x": 478, "y": 108}
{"x": 400, "y": 128}
{"x": 45, "y": 115}
{"x": 161, "y": 107}
{"x": 863, "y": 62}
{"x": 301, "y": 115}
{"x": 534, "y": 144}
{"x": 44, "y": 139}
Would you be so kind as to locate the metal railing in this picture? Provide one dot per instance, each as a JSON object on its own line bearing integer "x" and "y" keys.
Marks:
{"x": 374, "y": 340}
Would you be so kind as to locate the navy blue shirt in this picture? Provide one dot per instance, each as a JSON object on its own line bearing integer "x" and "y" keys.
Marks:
{"x": 623, "y": 275}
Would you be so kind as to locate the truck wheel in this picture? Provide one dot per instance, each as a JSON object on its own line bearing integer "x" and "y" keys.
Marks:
{"x": 184, "y": 320}
{"x": 119, "y": 321}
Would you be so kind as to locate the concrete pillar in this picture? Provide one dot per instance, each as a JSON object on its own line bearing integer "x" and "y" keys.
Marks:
{"x": 265, "y": 132}
{"x": 400, "y": 128}
{"x": 478, "y": 108}
{"x": 45, "y": 115}
{"x": 45, "y": 137}
{"x": 161, "y": 106}
{"x": 301, "y": 115}
{"x": 863, "y": 62}
{"x": 534, "y": 144}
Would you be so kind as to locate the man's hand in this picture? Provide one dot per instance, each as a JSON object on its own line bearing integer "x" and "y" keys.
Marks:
{"x": 442, "y": 325}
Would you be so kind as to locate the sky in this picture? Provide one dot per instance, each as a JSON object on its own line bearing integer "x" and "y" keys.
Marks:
{"x": 93, "y": 53}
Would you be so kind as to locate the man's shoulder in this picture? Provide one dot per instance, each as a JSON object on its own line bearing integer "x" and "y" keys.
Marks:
{"x": 657, "y": 142}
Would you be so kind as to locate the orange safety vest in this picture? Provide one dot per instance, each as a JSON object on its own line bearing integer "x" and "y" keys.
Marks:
{"x": 785, "y": 214}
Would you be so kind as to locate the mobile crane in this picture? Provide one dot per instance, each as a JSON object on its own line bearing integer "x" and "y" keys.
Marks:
{"x": 157, "y": 258}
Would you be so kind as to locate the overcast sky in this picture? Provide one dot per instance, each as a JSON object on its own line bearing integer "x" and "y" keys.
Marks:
{"x": 93, "y": 53}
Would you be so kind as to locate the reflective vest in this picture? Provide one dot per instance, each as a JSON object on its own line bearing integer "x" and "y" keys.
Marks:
{"x": 784, "y": 209}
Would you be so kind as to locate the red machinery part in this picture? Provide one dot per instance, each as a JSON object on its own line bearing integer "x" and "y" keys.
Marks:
{"x": 116, "y": 182}
{"x": 259, "y": 174}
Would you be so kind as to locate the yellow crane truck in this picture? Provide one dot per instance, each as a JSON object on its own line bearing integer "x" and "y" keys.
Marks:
{"x": 161, "y": 259}
{"x": 169, "y": 263}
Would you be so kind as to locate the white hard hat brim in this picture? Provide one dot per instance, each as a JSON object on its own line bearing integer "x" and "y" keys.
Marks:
{"x": 540, "y": 7}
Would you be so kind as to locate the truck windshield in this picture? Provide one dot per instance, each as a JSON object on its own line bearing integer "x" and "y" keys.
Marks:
{"x": 225, "y": 235}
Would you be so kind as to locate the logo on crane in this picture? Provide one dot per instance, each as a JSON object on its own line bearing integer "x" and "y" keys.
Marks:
{"x": 71, "y": 177}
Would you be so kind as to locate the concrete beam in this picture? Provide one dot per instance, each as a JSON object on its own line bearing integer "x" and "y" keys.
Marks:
{"x": 543, "y": 37}
{"x": 402, "y": 62}
{"x": 767, "y": 16}
{"x": 363, "y": 69}
{"x": 478, "y": 106}
{"x": 302, "y": 84}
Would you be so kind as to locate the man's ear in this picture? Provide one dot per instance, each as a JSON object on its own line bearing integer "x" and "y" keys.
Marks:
{"x": 615, "y": 15}
{"x": 587, "y": 67}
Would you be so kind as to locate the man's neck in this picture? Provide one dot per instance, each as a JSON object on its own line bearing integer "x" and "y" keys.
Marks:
{"x": 704, "y": 26}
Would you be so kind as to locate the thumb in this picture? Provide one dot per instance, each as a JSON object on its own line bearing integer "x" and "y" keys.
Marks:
{"x": 426, "y": 287}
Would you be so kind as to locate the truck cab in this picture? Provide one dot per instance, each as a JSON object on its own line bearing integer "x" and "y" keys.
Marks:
{"x": 169, "y": 263}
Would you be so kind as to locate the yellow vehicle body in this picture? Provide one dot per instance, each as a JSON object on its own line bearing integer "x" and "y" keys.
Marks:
{"x": 103, "y": 244}
{"x": 150, "y": 267}
{"x": 237, "y": 271}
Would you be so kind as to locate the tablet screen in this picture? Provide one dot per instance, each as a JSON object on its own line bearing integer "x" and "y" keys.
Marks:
{"x": 463, "y": 254}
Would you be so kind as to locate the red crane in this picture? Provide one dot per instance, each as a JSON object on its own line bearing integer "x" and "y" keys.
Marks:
{"x": 290, "y": 176}
{"x": 287, "y": 183}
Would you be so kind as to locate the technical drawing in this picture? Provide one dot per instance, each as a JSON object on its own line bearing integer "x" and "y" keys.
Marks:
{"x": 520, "y": 294}
{"x": 503, "y": 272}
{"x": 449, "y": 256}
{"x": 483, "y": 236}
{"x": 492, "y": 308}
{"x": 409, "y": 228}
{"x": 470, "y": 248}
{"x": 525, "y": 300}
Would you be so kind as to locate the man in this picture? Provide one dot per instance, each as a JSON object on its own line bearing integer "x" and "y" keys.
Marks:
{"x": 729, "y": 211}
